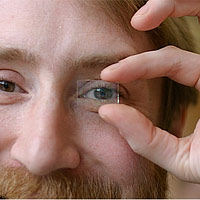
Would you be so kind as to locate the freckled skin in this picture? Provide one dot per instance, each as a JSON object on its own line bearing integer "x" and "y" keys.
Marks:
{"x": 46, "y": 130}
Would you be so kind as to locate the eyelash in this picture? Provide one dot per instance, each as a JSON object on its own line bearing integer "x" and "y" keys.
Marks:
{"x": 2, "y": 78}
{"x": 85, "y": 88}
{"x": 123, "y": 93}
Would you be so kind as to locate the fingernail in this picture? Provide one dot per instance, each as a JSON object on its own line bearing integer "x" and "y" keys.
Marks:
{"x": 142, "y": 11}
{"x": 111, "y": 68}
{"x": 106, "y": 118}
{"x": 103, "y": 114}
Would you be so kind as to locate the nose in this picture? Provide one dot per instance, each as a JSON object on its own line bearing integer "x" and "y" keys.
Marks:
{"x": 45, "y": 143}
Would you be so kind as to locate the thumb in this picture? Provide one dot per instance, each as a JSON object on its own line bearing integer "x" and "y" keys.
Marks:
{"x": 147, "y": 140}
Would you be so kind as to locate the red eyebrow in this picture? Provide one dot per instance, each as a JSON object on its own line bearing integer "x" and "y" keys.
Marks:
{"x": 16, "y": 54}
{"x": 91, "y": 62}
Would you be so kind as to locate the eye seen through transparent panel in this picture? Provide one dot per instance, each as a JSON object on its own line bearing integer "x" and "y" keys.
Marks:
{"x": 91, "y": 94}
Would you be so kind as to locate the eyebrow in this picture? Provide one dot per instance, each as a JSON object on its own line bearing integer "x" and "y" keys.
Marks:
{"x": 92, "y": 62}
{"x": 19, "y": 55}
{"x": 97, "y": 62}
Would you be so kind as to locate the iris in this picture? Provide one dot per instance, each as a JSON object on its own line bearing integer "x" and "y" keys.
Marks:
{"x": 7, "y": 86}
{"x": 103, "y": 93}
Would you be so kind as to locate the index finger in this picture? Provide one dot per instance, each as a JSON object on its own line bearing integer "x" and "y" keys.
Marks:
{"x": 177, "y": 64}
{"x": 155, "y": 12}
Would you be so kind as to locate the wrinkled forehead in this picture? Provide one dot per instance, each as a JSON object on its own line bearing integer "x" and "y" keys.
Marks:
{"x": 52, "y": 14}
{"x": 40, "y": 8}
{"x": 49, "y": 15}
{"x": 58, "y": 24}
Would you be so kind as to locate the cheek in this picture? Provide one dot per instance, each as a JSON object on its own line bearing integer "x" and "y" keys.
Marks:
{"x": 103, "y": 149}
{"x": 9, "y": 123}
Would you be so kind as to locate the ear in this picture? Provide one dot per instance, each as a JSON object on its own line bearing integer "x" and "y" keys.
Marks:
{"x": 178, "y": 123}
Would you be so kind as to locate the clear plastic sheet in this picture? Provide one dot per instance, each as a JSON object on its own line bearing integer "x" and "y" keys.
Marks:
{"x": 91, "y": 94}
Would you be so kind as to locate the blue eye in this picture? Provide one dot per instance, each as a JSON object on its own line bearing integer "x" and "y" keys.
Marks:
{"x": 101, "y": 94}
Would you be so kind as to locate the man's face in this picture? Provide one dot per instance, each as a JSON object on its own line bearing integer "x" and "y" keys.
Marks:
{"x": 47, "y": 140}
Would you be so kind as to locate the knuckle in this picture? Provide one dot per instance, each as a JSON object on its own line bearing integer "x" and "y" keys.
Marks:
{"x": 152, "y": 136}
{"x": 170, "y": 48}
{"x": 197, "y": 84}
{"x": 126, "y": 61}
{"x": 174, "y": 56}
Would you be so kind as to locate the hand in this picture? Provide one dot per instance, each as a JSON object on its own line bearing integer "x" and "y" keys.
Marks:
{"x": 180, "y": 156}
{"x": 156, "y": 11}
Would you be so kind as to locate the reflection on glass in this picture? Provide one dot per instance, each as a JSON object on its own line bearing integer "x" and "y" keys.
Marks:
{"x": 91, "y": 94}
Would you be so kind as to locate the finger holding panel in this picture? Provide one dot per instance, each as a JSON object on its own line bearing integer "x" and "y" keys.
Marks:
{"x": 151, "y": 142}
{"x": 152, "y": 14}
{"x": 179, "y": 65}
{"x": 155, "y": 12}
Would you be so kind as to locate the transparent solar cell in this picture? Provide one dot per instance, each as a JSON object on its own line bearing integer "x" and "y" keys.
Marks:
{"x": 91, "y": 94}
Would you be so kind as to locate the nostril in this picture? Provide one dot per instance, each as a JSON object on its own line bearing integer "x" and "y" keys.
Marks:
{"x": 43, "y": 155}
{"x": 14, "y": 163}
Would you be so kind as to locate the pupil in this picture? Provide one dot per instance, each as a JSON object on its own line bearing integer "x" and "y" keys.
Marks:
{"x": 7, "y": 86}
{"x": 103, "y": 93}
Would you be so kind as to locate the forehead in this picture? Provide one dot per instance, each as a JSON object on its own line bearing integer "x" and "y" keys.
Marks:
{"x": 62, "y": 25}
